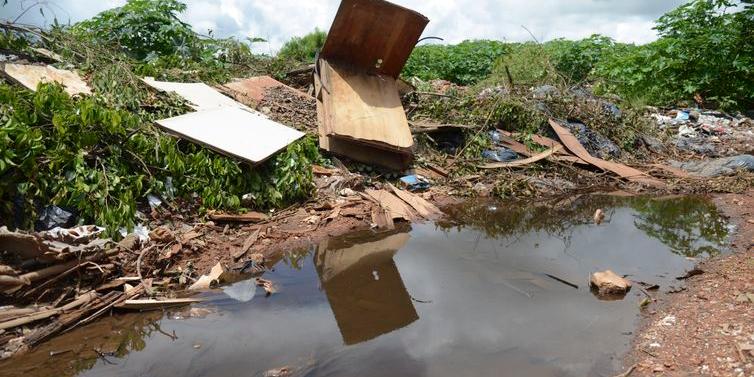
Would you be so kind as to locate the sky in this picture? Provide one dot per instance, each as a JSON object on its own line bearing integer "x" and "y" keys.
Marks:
{"x": 453, "y": 20}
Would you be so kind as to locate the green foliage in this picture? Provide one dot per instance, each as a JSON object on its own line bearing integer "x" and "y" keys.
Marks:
{"x": 706, "y": 50}
{"x": 80, "y": 154}
{"x": 575, "y": 60}
{"x": 528, "y": 64}
{"x": 465, "y": 63}
{"x": 161, "y": 45}
{"x": 143, "y": 28}
{"x": 303, "y": 49}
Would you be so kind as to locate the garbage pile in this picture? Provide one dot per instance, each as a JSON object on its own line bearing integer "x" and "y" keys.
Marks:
{"x": 708, "y": 133}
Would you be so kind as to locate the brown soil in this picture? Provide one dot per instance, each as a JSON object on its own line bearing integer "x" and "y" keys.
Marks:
{"x": 707, "y": 328}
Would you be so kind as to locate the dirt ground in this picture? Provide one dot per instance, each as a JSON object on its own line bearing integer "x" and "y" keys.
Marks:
{"x": 708, "y": 328}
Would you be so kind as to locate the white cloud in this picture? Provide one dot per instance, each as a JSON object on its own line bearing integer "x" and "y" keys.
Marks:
{"x": 455, "y": 21}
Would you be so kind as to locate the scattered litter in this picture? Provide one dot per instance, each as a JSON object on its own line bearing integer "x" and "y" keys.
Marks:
{"x": 718, "y": 167}
{"x": 243, "y": 291}
{"x": 682, "y": 116}
{"x": 75, "y": 236}
{"x": 54, "y": 217}
{"x": 500, "y": 155}
{"x": 599, "y": 217}
{"x": 30, "y": 76}
{"x": 154, "y": 201}
{"x": 234, "y": 132}
{"x": 608, "y": 283}
{"x": 208, "y": 281}
{"x": 668, "y": 321}
{"x": 414, "y": 183}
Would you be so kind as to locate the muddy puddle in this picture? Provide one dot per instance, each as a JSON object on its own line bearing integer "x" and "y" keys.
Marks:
{"x": 488, "y": 293}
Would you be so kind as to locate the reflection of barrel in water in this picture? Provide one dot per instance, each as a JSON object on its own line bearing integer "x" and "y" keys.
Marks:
{"x": 365, "y": 289}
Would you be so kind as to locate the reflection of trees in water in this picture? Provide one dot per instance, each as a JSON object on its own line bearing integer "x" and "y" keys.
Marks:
{"x": 108, "y": 339}
{"x": 689, "y": 226}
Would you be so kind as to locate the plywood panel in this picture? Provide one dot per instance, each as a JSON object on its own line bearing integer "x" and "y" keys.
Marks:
{"x": 373, "y": 36}
{"x": 234, "y": 132}
{"x": 364, "y": 107}
{"x": 30, "y": 76}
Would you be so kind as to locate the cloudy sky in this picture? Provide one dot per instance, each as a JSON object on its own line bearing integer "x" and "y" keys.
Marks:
{"x": 453, "y": 20}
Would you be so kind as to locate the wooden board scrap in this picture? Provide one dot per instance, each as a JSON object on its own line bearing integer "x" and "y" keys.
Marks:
{"x": 250, "y": 241}
{"x": 253, "y": 90}
{"x": 425, "y": 209}
{"x": 396, "y": 207}
{"x": 30, "y": 76}
{"x": 522, "y": 149}
{"x": 156, "y": 304}
{"x": 201, "y": 96}
{"x": 521, "y": 163}
{"x": 621, "y": 170}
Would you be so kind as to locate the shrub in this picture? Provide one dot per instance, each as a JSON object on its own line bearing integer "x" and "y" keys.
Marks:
{"x": 303, "y": 49}
{"x": 465, "y": 63}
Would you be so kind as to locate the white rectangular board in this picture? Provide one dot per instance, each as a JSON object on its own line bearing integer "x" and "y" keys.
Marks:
{"x": 234, "y": 132}
{"x": 200, "y": 95}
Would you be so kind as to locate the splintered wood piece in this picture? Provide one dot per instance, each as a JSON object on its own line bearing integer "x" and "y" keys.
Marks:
{"x": 425, "y": 209}
{"x": 395, "y": 206}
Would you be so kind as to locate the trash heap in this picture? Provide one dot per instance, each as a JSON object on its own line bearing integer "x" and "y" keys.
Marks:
{"x": 708, "y": 133}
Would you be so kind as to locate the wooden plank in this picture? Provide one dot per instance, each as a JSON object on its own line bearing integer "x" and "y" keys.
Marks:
{"x": 425, "y": 209}
{"x": 30, "y": 76}
{"x": 521, "y": 163}
{"x": 395, "y": 206}
{"x": 373, "y": 36}
{"x": 248, "y": 217}
{"x": 233, "y": 132}
{"x": 156, "y": 304}
{"x": 629, "y": 173}
{"x": 364, "y": 107}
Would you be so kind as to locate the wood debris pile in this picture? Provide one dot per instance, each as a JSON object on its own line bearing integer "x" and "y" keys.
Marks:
{"x": 69, "y": 278}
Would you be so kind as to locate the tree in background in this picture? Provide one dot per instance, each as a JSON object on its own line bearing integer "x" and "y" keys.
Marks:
{"x": 705, "y": 53}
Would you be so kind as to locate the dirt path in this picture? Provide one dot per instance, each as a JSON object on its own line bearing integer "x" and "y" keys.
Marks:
{"x": 707, "y": 328}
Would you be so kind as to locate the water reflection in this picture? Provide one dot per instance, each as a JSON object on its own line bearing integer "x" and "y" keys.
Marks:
{"x": 690, "y": 226}
{"x": 476, "y": 295}
{"x": 106, "y": 340}
{"x": 364, "y": 288}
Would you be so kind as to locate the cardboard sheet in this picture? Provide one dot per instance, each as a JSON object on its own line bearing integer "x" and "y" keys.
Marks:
{"x": 234, "y": 132}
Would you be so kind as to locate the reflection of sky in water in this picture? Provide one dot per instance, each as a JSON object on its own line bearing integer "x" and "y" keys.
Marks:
{"x": 489, "y": 310}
